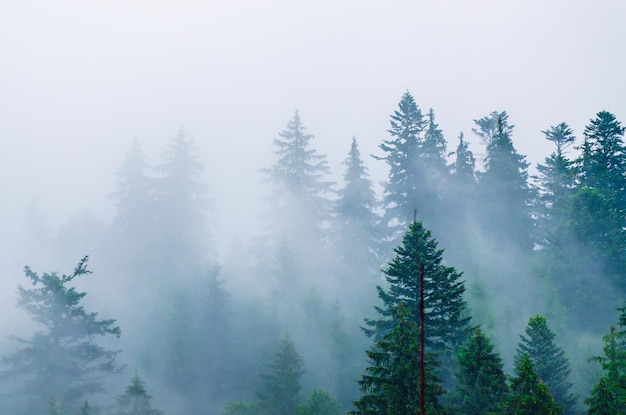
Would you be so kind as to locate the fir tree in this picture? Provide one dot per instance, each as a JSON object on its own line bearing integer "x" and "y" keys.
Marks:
{"x": 401, "y": 194}
{"x": 297, "y": 178}
{"x": 488, "y": 126}
{"x": 480, "y": 381}
{"x": 549, "y": 361}
{"x": 529, "y": 395}
{"x": 320, "y": 403}
{"x": 357, "y": 229}
{"x": 135, "y": 400}
{"x": 62, "y": 359}
{"x": 602, "y": 400}
{"x": 505, "y": 195}
{"x": 391, "y": 384}
{"x": 281, "y": 388}
{"x": 446, "y": 320}
{"x": 182, "y": 208}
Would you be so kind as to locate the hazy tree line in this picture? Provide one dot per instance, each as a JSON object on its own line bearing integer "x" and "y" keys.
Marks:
{"x": 319, "y": 314}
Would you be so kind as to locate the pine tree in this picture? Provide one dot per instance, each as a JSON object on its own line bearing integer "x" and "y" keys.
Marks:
{"x": 610, "y": 392}
{"x": 391, "y": 384}
{"x": 182, "y": 208}
{"x": 401, "y": 194}
{"x": 299, "y": 189}
{"x": 549, "y": 361}
{"x": 505, "y": 195}
{"x": 480, "y": 382}
{"x": 488, "y": 126}
{"x": 600, "y": 204}
{"x": 132, "y": 229}
{"x": 446, "y": 320}
{"x": 62, "y": 359}
{"x": 529, "y": 395}
{"x": 135, "y": 400}
{"x": 356, "y": 231}
{"x": 281, "y": 389}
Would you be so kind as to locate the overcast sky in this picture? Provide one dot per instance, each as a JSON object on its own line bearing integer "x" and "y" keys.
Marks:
{"x": 79, "y": 80}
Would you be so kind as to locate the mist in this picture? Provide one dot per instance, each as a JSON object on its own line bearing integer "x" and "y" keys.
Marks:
{"x": 146, "y": 136}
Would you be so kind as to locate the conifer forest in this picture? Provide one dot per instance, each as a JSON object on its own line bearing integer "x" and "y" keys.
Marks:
{"x": 430, "y": 272}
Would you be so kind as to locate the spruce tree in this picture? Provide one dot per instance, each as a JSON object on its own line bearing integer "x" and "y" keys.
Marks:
{"x": 356, "y": 233}
{"x": 63, "y": 358}
{"x": 600, "y": 204}
{"x": 299, "y": 188}
{"x": 529, "y": 395}
{"x": 480, "y": 381}
{"x": 183, "y": 204}
{"x": 401, "y": 194}
{"x": 549, "y": 361}
{"x": 505, "y": 194}
{"x": 610, "y": 392}
{"x": 280, "y": 394}
{"x": 391, "y": 384}
{"x": 446, "y": 319}
{"x": 135, "y": 400}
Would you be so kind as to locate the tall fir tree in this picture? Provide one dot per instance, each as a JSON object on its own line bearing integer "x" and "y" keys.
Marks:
{"x": 280, "y": 394}
{"x": 298, "y": 200}
{"x": 480, "y": 380}
{"x": 609, "y": 394}
{"x": 299, "y": 185}
{"x": 132, "y": 230}
{"x": 356, "y": 233}
{"x": 600, "y": 204}
{"x": 391, "y": 384}
{"x": 549, "y": 362}
{"x": 401, "y": 193}
{"x": 446, "y": 318}
{"x": 63, "y": 358}
{"x": 529, "y": 395}
{"x": 505, "y": 194}
{"x": 183, "y": 205}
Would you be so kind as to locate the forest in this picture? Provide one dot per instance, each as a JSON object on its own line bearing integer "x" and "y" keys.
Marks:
{"x": 319, "y": 314}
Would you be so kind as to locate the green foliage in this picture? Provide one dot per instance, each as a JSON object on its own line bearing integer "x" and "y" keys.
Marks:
{"x": 240, "y": 408}
{"x": 549, "y": 361}
{"x": 446, "y": 320}
{"x": 281, "y": 388}
{"x": 391, "y": 384}
{"x": 320, "y": 403}
{"x": 480, "y": 382}
{"x": 62, "y": 359}
{"x": 135, "y": 400}
{"x": 609, "y": 393}
{"x": 529, "y": 395}
{"x": 402, "y": 190}
{"x": 505, "y": 195}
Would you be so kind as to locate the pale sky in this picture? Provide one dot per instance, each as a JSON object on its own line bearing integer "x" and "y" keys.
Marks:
{"x": 79, "y": 80}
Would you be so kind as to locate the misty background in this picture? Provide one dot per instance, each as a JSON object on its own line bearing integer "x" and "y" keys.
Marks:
{"x": 80, "y": 82}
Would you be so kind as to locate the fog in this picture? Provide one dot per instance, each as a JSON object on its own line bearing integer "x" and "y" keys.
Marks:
{"x": 80, "y": 82}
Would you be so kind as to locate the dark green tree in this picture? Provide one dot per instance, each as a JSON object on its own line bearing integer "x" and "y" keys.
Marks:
{"x": 135, "y": 400}
{"x": 610, "y": 392}
{"x": 62, "y": 359}
{"x": 529, "y": 395}
{"x": 487, "y": 127}
{"x": 480, "y": 381}
{"x": 602, "y": 400}
{"x": 391, "y": 384}
{"x": 447, "y": 321}
{"x": 280, "y": 394}
{"x": 401, "y": 193}
{"x": 549, "y": 361}
{"x": 600, "y": 204}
